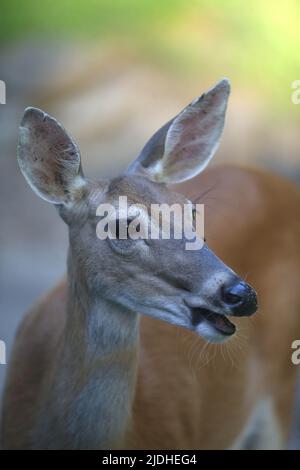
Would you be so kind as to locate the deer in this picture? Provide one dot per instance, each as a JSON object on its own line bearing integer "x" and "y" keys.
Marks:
{"x": 115, "y": 356}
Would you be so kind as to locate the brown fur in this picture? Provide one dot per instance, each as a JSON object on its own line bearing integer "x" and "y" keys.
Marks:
{"x": 252, "y": 223}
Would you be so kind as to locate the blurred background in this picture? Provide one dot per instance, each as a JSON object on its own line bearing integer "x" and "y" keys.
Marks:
{"x": 113, "y": 72}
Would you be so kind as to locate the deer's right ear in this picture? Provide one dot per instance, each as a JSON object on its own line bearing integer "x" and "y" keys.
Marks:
{"x": 49, "y": 158}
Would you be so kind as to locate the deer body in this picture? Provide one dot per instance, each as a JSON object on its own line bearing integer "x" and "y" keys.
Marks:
{"x": 88, "y": 371}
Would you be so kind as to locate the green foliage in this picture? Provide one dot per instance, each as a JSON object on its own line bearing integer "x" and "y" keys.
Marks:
{"x": 256, "y": 42}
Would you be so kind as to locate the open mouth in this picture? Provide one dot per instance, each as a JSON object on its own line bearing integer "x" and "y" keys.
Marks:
{"x": 219, "y": 322}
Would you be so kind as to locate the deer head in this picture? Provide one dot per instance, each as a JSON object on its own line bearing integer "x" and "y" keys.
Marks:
{"x": 155, "y": 277}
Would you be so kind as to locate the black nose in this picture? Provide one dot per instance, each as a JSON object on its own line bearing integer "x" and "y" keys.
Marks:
{"x": 241, "y": 298}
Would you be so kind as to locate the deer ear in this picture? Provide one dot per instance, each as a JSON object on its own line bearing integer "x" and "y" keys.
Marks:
{"x": 183, "y": 147}
{"x": 49, "y": 158}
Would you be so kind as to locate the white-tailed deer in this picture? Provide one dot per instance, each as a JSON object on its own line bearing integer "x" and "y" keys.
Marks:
{"x": 93, "y": 367}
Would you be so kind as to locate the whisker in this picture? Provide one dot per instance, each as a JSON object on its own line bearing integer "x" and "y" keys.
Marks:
{"x": 221, "y": 201}
{"x": 206, "y": 192}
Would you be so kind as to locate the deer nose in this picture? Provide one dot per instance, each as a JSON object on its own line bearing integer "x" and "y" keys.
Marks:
{"x": 240, "y": 297}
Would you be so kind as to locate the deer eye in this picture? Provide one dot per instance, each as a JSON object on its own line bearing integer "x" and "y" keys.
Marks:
{"x": 122, "y": 228}
{"x": 120, "y": 239}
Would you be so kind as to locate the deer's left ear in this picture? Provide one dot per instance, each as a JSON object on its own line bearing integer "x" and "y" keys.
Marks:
{"x": 183, "y": 147}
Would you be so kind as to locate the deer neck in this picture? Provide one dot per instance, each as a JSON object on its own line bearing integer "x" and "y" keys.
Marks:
{"x": 96, "y": 370}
